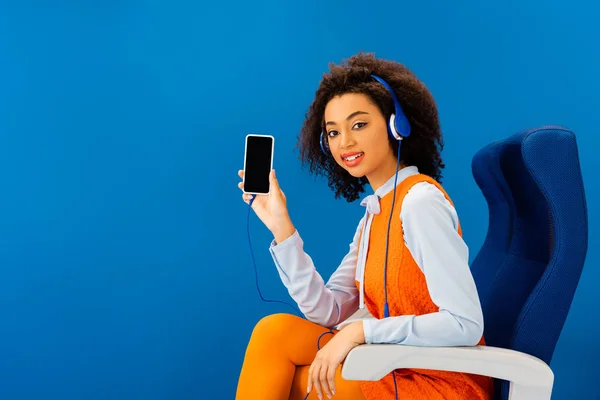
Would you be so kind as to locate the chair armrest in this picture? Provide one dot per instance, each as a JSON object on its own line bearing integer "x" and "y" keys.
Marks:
{"x": 530, "y": 378}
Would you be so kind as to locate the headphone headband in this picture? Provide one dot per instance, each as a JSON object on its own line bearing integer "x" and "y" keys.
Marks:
{"x": 399, "y": 125}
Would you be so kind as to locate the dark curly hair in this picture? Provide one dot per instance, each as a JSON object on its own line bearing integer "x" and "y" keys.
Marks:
{"x": 422, "y": 148}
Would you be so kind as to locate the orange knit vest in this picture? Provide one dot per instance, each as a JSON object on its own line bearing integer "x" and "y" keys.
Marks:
{"x": 408, "y": 295}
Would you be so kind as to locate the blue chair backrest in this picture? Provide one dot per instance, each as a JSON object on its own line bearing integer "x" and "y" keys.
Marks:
{"x": 530, "y": 263}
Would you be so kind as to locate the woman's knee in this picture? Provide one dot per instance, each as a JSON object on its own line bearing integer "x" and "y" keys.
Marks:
{"x": 274, "y": 327}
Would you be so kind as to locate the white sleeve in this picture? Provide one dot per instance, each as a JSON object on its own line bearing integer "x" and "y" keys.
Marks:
{"x": 431, "y": 232}
{"x": 324, "y": 304}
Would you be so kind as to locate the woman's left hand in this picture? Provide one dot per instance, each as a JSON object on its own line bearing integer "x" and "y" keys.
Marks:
{"x": 321, "y": 374}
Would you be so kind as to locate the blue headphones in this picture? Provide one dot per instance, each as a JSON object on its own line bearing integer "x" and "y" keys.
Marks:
{"x": 398, "y": 125}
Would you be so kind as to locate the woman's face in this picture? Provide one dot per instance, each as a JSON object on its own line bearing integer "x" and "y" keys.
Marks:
{"x": 358, "y": 138}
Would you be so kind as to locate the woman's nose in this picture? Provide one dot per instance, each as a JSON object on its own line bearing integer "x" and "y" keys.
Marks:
{"x": 346, "y": 140}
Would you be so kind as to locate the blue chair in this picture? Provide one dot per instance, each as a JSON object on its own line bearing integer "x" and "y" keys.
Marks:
{"x": 526, "y": 272}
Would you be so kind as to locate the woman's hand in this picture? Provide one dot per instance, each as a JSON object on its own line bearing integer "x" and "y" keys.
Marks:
{"x": 321, "y": 374}
{"x": 271, "y": 208}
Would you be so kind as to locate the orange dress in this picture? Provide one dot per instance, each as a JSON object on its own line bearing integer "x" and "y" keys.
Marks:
{"x": 408, "y": 295}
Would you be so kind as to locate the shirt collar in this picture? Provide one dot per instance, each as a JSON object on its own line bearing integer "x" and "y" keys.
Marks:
{"x": 388, "y": 186}
{"x": 371, "y": 202}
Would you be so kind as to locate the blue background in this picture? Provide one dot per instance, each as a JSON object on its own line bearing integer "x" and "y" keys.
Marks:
{"x": 125, "y": 267}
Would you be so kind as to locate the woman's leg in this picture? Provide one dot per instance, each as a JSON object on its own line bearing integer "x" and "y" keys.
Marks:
{"x": 279, "y": 344}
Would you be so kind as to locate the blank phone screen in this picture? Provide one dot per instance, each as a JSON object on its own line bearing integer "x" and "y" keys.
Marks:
{"x": 259, "y": 151}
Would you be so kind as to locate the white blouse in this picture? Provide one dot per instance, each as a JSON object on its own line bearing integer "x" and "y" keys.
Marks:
{"x": 431, "y": 235}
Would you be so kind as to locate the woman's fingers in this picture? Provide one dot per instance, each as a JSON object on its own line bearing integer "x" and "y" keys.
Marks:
{"x": 310, "y": 372}
{"x": 323, "y": 380}
{"x": 331, "y": 379}
{"x": 315, "y": 380}
{"x": 273, "y": 180}
{"x": 319, "y": 378}
{"x": 241, "y": 184}
{"x": 246, "y": 197}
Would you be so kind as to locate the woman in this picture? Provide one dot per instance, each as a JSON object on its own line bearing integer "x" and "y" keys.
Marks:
{"x": 407, "y": 264}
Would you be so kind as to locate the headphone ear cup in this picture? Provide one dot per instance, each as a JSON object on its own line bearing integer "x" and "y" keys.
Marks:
{"x": 323, "y": 146}
{"x": 392, "y": 128}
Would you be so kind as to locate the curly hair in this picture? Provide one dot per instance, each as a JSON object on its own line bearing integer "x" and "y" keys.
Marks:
{"x": 422, "y": 148}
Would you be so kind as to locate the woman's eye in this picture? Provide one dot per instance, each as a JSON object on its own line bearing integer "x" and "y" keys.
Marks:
{"x": 359, "y": 125}
{"x": 331, "y": 133}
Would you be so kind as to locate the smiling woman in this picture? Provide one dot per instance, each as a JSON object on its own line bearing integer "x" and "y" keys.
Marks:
{"x": 407, "y": 267}
{"x": 351, "y": 85}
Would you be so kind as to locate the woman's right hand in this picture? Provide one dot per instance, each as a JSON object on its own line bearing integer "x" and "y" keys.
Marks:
{"x": 271, "y": 209}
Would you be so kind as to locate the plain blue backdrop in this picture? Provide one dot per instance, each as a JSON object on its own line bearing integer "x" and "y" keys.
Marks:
{"x": 125, "y": 267}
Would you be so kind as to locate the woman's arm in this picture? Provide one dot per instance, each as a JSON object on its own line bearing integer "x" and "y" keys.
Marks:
{"x": 325, "y": 304}
{"x": 431, "y": 232}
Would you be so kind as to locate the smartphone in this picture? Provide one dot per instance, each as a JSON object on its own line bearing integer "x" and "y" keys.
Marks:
{"x": 258, "y": 162}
